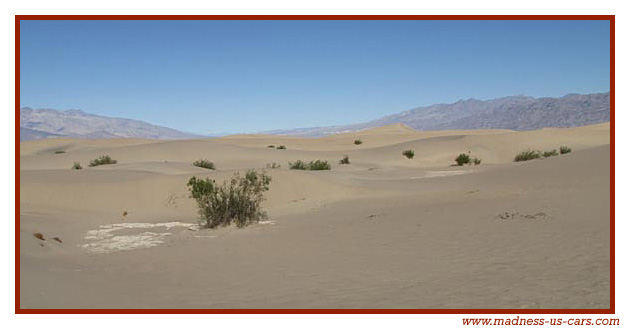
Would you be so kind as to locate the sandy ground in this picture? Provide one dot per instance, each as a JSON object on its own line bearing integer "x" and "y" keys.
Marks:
{"x": 381, "y": 232}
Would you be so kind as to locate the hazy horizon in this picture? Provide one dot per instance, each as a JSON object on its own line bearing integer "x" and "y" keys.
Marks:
{"x": 219, "y": 77}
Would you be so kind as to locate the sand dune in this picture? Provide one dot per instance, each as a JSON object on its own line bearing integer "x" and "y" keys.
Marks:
{"x": 382, "y": 232}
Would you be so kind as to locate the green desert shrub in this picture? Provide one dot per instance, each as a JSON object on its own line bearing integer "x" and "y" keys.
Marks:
{"x": 102, "y": 160}
{"x": 409, "y": 154}
{"x": 358, "y": 142}
{"x": 203, "y": 163}
{"x": 60, "y": 152}
{"x": 281, "y": 147}
{"x": 462, "y": 159}
{"x": 313, "y": 165}
{"x": 551, "y": 153}
{"x": 298, "y": 165}
{"x": 237, "y": 201}
{"x": 477, "y": 161}
{"x": 527, "y": 155}
{"x": 319, "y": 165}
{"x": 565, "y": 149}
{"x": 76, "y": 166}
{"x": 271, "y": 146}
{"x": 344, "y": 160}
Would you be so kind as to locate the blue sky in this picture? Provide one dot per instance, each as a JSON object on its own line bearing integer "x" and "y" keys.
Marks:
{"x": 246, "y": 76}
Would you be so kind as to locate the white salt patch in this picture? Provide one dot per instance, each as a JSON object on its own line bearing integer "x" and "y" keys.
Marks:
{"x": 126, "y": 242}
{"x": 105, "y": 240}
{"x": 267, "y": 222}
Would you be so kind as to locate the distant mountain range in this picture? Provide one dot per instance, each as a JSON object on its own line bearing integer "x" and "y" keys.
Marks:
{"x": 46, "y": 123}
{"x": 513, "y": 112}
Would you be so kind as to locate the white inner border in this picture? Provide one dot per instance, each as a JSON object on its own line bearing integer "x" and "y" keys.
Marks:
{"x": 479, "y": 7}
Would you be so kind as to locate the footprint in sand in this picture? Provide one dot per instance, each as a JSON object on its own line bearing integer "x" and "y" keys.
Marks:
{"x": 516, "y": 215}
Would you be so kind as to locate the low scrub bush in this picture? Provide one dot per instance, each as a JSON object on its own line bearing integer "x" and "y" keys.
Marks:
{"x": 281, "y": 147}
{"x": 60, "y": 152}
{"x": 358, "y": 142}
{"x": 298, "y": 165}
{"x": 409, "y": 154}
{"x": 466, "y": 159}
{"x": 319, "y": 165}
{"x": 344, "y": 160}
{"x": 102, "y": 160}
{"x": 76, "y": 166}
{"x": 203, "y": 163}
{"x": 551, "y": 153}
{"x": 271, "y": 146}
{"x": 462, "y": 159}
{"x": 237, "y": 201}
{"x": 527, "y": 155}
{"x": 565, "y": 149}
{"x": 313, "y": 165}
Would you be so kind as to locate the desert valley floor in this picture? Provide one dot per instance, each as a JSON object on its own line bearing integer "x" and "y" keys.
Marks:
{"x": 381, "y": 232}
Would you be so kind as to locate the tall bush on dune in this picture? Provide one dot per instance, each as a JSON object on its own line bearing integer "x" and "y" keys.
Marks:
{"x": 237, "y": 201}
